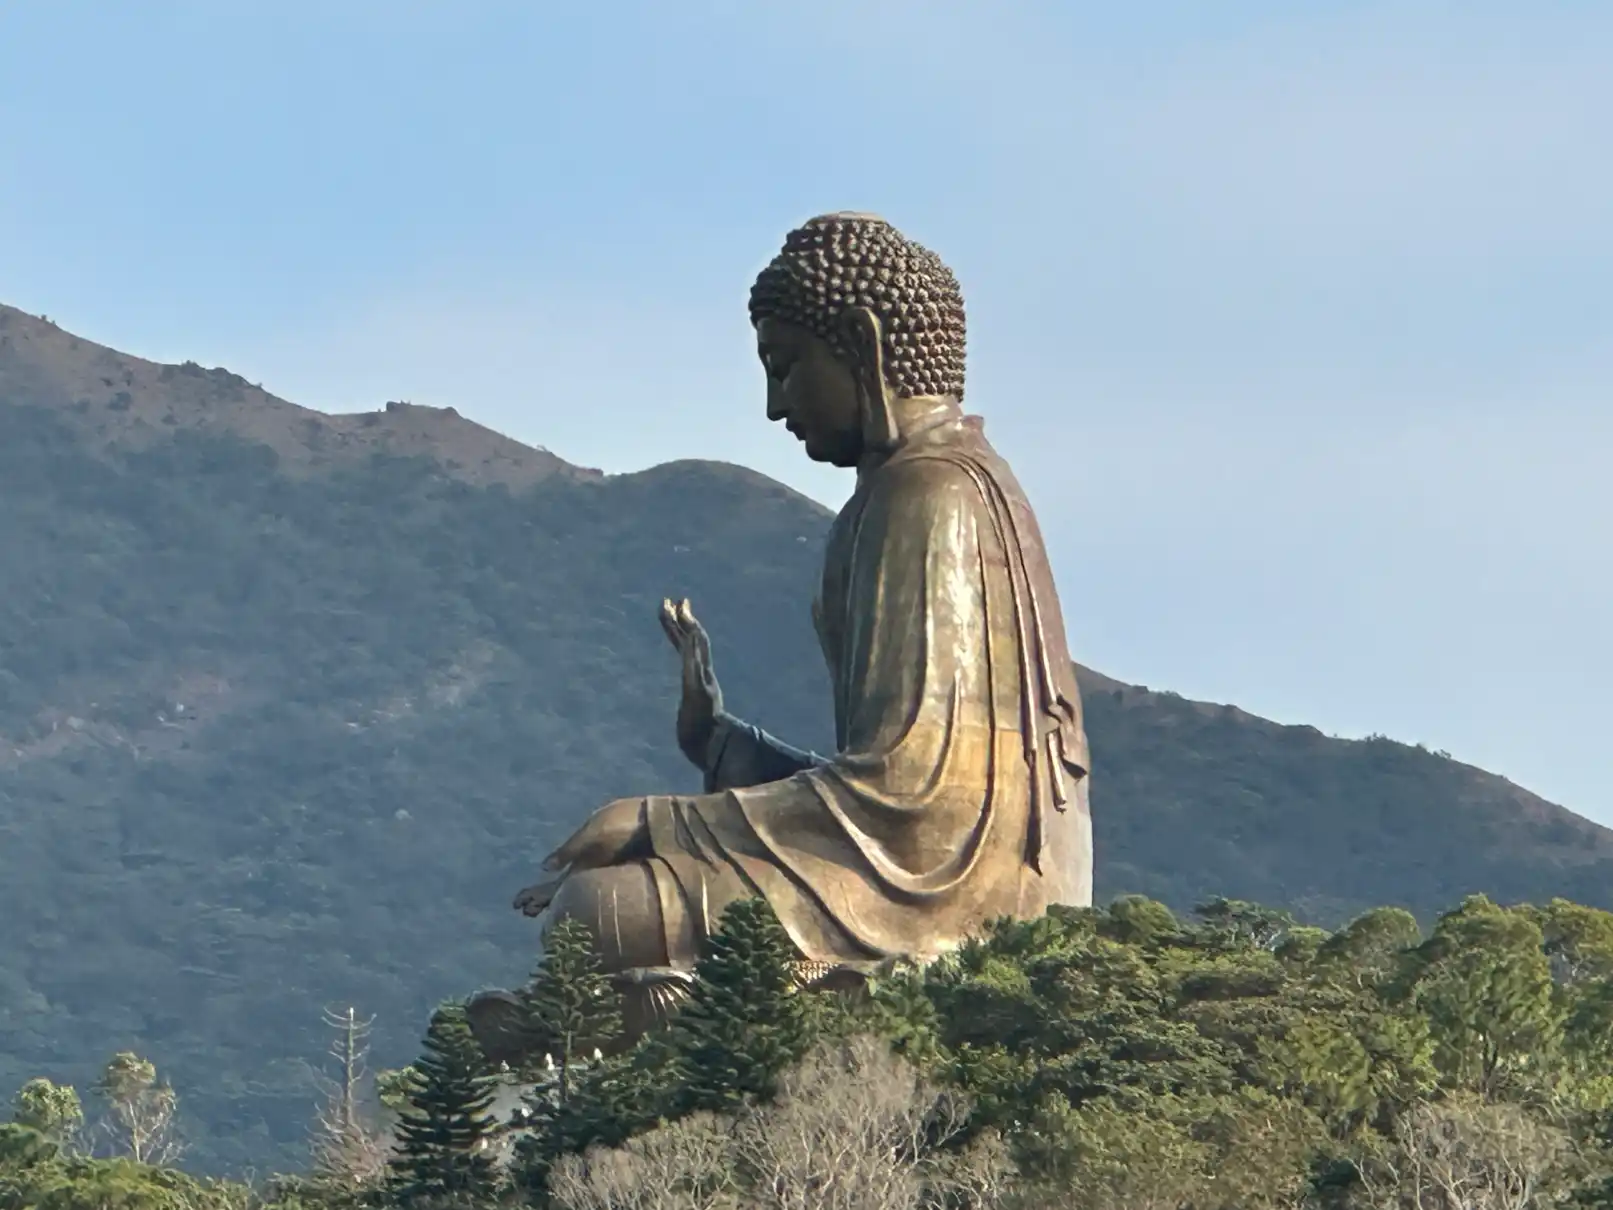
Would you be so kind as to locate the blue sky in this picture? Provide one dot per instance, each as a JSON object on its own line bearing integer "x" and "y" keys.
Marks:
{"x": 1296, "y": 319}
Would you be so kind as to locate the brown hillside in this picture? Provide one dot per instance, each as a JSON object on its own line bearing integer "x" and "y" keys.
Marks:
{"x": 115, "y": 400}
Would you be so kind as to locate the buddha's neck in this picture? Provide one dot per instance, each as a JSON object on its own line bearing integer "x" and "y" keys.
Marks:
{"x": 913, "y": 416}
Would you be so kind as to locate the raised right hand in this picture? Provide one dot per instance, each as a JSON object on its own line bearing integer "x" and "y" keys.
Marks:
{"x": 701, "y": 703}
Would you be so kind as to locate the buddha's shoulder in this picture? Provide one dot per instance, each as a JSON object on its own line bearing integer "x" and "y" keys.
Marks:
{"x": 940, "y": 468}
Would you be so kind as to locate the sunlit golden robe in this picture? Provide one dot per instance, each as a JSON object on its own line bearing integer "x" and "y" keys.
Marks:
{"x": 959, "y": 789}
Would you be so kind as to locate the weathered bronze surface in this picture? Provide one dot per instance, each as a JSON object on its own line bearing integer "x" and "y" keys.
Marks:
{"x": 958, "y": 789}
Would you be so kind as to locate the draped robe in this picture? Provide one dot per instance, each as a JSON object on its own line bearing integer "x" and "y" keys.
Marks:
{"x": 958, "y": 791}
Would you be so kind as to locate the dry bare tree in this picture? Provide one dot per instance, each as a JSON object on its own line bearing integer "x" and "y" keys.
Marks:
{"x": 1468, "y": 1154}
{"x": 685, "y": 1165}
{"x": 347, "y": 1145}
{"x": 139, "y": 1121}
{"x": 854, "y": 1127}
{"x": 978, "y": 1177}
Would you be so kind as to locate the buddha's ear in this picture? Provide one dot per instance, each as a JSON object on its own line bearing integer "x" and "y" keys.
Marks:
{"x": 864, "y": 341}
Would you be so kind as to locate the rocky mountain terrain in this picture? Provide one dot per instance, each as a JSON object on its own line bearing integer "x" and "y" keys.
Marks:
{"x": 291, "y": 704}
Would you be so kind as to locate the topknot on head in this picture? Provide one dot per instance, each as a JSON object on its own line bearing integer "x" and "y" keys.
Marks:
{"x": 836, "y": 261}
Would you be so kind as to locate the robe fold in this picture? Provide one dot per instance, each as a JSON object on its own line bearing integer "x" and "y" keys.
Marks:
{"x": 958, "y": 789}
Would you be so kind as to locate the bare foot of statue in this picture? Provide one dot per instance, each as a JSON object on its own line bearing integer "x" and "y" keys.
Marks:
{"x": 536, "y": 898}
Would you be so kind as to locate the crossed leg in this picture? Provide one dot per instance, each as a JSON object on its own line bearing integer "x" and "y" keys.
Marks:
{"x": 620, "y": 906}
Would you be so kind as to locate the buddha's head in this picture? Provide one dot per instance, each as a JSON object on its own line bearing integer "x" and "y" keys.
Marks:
{"x": 851, "y": 317}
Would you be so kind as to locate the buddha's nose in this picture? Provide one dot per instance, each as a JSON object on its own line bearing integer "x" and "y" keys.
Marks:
{"x": 776, "y": 410}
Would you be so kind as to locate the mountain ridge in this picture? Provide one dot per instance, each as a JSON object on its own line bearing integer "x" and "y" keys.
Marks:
{"x": 117, "y": 399}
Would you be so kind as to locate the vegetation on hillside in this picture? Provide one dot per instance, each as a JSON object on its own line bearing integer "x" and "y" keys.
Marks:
{"x": 1115, "y": 1059}
{"x": 274, "y": 743}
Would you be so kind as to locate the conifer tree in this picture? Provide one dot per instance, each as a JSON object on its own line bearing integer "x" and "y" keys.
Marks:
{"x": 570, "y": 1004}
{"x": 745, "y": 1022}
{"x": 446, "y": 1129}
{"x": 610, "y": 1101}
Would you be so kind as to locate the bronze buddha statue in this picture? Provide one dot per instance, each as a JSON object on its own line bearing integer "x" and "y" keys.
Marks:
{"x": 957, "y": 792}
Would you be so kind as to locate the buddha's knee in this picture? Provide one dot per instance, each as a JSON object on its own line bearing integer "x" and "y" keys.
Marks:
{"x": 621, "y": 907}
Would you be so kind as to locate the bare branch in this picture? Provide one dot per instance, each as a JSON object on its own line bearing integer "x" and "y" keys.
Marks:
{"x": 1466, "y": 1154}
{"x": 347, "y": 1145}
{"x": 140, "y": 1111}
{"x": 854, "y": 1127}
{"x": 686, "y": 1165}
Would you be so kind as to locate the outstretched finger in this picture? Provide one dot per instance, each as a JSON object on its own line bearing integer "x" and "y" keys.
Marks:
{"x": 669, "y": 623}
{"x": 688, "y": 623}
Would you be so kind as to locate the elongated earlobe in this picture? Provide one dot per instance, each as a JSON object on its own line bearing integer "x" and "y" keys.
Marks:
{"x": 864, "y": 341}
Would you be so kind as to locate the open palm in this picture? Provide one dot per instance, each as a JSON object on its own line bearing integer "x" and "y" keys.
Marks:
{"x": 701, "y": 702}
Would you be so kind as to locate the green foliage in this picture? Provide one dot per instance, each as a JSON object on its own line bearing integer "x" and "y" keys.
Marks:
{"x": 53, "y": 1110}
{"x": 24, "y": 1147}
{"x": 1483, "y": 981}
{"x": 393, "y": 1087}
{"x": 36, "y": 1174}
{"x": 611, "y": 1101}
{"x": 444, "y": 1133}
{"x": 745, "y": 1022}
{"x": 1579, "y": 939}
{"x": 743, "y": 1025}
{"x": 1138, "y": 920}
{"x": 400, "y": 690}
{"x": 1240, "y": 1063}
{"x": 1058, "y": 1023}
{"x": 1236, "y": 923}
{"x": 569, "y": 1004}
{"x": 1367, "y": 950}
{"x": 571, "y": 1010}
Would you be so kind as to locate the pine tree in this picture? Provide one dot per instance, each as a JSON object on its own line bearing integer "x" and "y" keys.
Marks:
{"x": 610, "y": 1101}
{"x": 745, "y": 1022}
{"x": 570, "y": 1003}
{"x": 446, "y": 1129}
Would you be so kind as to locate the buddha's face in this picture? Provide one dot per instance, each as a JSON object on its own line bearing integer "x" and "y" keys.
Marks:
{"x": 812, "y": 391}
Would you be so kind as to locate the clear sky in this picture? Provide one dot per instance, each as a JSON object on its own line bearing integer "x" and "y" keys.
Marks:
{"x": 1295, "y": 318}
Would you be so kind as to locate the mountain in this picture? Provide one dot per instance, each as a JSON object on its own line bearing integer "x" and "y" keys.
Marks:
{"x": 291, "y": 704}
